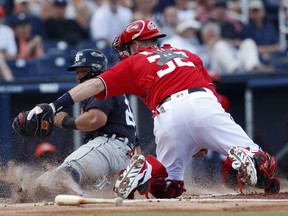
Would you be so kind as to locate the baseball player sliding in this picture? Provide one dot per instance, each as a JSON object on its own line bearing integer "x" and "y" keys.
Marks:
{"x": 109, "y": 127}
{"x": 187, "y": 116}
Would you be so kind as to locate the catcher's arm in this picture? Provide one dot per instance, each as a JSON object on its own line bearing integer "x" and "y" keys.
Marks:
{"x": 79, "y": 93}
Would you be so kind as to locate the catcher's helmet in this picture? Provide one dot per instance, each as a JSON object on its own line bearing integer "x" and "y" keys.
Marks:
{"x": 137, "y": 30}
{"x": 140, "y": 30}
{"x": 94, "y": 59}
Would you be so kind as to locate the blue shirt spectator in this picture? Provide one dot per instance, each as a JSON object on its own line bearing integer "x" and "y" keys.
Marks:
{"x": 261, "y": 31}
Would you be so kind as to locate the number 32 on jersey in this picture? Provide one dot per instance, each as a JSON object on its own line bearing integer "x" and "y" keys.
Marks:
{"x": 171, "y": 59}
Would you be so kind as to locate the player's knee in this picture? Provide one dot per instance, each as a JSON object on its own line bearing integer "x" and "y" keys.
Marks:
{"x": 75, "y": 174}
{"x": 161, "y": 188}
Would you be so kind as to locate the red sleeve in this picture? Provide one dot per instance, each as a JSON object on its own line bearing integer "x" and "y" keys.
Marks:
{"x": 119, "y": 80}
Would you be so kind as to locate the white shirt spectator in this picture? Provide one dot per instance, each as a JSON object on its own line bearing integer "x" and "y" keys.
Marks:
{"x": 224, "y": 57}
{"x": 186, "y": 37}
{"x": 7, "y": 41}
{"x": 106, "y": 24}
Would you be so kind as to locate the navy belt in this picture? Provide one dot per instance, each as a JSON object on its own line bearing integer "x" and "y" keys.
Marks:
{"x": 120, "y": 138}
{"x": 189, "y": 91}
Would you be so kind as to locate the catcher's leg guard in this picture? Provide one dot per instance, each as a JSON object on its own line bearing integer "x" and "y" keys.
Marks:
{"x": 229, "y": 175}
{"x": 161, "y": 188}
{"x": 266, "y": 167}
{"x": 255, "y": 169}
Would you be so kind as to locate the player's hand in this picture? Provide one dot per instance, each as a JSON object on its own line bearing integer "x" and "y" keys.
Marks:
{"x": 38, "y": 109}
{"x": 58, "y": 119}
{"x": 201, "y": 153}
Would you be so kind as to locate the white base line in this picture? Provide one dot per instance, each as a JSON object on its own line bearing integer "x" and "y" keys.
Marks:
{"x": 199, "y": 200}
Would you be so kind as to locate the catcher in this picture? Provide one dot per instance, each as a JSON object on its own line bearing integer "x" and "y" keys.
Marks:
{"x": 108, "y": 126}
{"x": 176, "y": 87}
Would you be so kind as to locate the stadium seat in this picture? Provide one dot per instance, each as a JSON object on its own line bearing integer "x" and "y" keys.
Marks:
{"x": 101, "y": 45}
{"x": 279, "y": 61}
{"x": 22, "y": 68}
{"x": 53, "y": 64}
{"x": 56, "y": 47}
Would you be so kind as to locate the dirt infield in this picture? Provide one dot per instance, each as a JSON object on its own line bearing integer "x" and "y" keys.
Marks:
{"x": 212, "y": 197}
{"x": 226, "y": 203}
{"x": 195, "y": 200}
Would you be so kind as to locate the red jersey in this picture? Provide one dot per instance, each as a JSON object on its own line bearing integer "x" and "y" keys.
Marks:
{"x": 155, "y": 73}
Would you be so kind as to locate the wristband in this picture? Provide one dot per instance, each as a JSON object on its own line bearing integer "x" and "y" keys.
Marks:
{"x": 63, "y": 102}
{"x": 69, "y": 123}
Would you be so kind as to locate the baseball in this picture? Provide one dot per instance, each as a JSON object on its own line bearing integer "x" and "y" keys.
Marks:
{"x": 119, "y": 201}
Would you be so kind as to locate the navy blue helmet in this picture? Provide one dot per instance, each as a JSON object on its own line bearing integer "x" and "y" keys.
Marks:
{"x": 94, "y": 59}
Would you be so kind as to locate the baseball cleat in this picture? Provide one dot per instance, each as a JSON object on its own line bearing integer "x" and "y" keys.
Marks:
{"x": 242, "y": 160}
{"x": 132, "y": 177}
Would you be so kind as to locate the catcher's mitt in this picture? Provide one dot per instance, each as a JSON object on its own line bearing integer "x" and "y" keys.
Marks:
{"x": 40, "y": 125}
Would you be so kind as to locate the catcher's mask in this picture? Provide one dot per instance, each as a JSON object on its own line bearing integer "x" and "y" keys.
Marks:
{"x": 94, "y": 59}
{"x": 137, "y": 30}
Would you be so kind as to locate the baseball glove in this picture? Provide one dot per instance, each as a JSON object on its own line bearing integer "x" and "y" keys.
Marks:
{"x": 40, "y": 125}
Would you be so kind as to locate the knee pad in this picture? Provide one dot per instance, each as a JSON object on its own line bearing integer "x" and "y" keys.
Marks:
{"x": 161, "y": 188}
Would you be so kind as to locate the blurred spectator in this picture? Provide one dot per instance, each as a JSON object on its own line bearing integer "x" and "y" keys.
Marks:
{"x": 5, "y": 72}
{"x": 8, "y": 48}
{"x": 109, "y": 21}
{"x": 203, "y": 10}
{"x": 170, "y": 20}
{"x": 7, "y": 40}
{"x": 162, "y": 4}
{"x": 29, "y": 46}
{"x": 184, "y": 11}
{"x": 127, "y": 3}
{"x": 79, "y": 10}
{"x": 261, "y": 31}
{"x": 226, "y": 58}
{"x": 60, "y": 28}
{"x": 229, "y": 32}
{"x": 145, "y": 9}
{"x": 272, "y": 11}
{"x": 186, "y": 37}
{"x": 22, "y": 7}
{"x": 235, "y": 10}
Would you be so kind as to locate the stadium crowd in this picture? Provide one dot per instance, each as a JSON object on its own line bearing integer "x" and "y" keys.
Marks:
{"x": 49, "y": 32}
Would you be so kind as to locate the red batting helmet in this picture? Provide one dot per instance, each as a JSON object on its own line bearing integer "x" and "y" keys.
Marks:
{"x": 44, "y": 148}
{"x": 2, "y": 11}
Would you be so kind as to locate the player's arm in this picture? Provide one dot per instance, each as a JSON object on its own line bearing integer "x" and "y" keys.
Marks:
{"x": 87, "y": 89}
{"x": 78, "y": 93}
{"x": 91, "y": 120}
